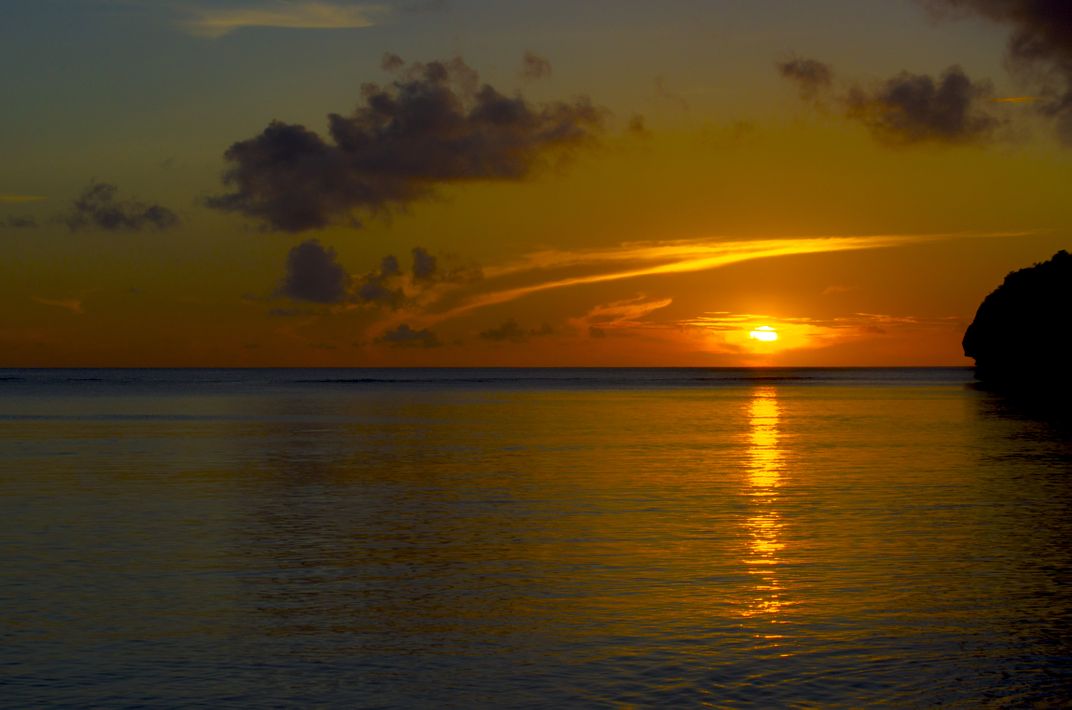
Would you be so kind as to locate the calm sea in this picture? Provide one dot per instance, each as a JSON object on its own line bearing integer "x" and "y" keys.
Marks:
{"x": 531, "y": 538}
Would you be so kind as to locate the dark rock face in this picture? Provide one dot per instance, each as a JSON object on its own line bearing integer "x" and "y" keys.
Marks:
{"x": 1021, "y": 332}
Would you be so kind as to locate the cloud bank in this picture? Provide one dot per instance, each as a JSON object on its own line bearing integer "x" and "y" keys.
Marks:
{"x": 434, "y": 126}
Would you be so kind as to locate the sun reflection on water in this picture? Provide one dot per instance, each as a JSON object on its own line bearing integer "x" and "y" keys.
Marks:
{"x": 764, "y": 524}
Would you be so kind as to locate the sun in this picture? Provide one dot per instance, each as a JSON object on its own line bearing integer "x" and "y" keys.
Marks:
{"x": 764, "y": 334}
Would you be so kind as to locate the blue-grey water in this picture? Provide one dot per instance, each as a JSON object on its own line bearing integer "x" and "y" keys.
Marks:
{"x": 531, "y": 538}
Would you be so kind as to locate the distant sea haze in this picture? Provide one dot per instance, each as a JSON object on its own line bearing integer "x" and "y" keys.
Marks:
{"x": 531, "y": 538}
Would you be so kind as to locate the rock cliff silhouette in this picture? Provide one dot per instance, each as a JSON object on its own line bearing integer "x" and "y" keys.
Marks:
{"x": 1020, "y": 337}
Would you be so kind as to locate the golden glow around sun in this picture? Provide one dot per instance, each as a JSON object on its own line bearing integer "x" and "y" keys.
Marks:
{"x": 764, "y": 334}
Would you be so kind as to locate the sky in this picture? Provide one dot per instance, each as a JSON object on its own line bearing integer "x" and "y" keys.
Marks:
{"x": 523, "y": 183}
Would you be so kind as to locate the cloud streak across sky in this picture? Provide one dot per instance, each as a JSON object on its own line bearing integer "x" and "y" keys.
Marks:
{"x": 536, "y": 272}
{"x": 215, "y": 22}
{"x": 9, "y": 199}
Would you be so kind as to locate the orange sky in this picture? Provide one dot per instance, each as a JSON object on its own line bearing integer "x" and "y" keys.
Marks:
{"x": 613, "y": 184}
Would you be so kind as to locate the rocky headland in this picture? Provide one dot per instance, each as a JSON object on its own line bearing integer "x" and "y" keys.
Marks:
{"x": 1020, "y": 335}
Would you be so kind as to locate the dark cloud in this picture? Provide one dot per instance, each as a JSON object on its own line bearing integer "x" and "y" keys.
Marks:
{"x": 313, "y": 274}
{"x": 811, "y": 76}
{"x": 533, "y": 66}
{"x": 665, "y": 93}
{"x": 97, "y": 207}
{"x": 391, "y": 62}
{"x": 18, "y": 222}
{"x": 383, "y": 286}
{"x": 908, "y": 108}
{"x": 404, "y": 336}
{"x": 434, "y": 126}
{"x": 424, "y": 265}
{"x": 637, "y": 126}
{"x": 1040, "y": 45}
{"x": 916, "y": 108}
{"x": 427, "y": 270}
{"x": 511, "y": 331}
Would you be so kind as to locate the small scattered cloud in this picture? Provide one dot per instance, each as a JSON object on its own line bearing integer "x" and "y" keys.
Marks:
{"x": 534, "y": 66}
{"x": 405, "y": 336}
{"x": 382, "y": 286}
{"x": 429, "y": 269}
{"x": 812, "y": 77}
{"x": 665, "y": 94}
{"x": 216, "y": 21}
{"x": 391, "y": 62}
{"x": 511, "y": 331}
{"x": 434, "y": 126}
{"x": 508, "y": 331}
{"x": 314, "y": 274}
{"x": 425, "y": 265}
{"x": 98, "y": 208}
{"x": 637, "y": 126}
{"x": 18, "y": 222}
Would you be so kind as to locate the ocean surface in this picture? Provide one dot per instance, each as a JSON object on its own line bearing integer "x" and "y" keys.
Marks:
{"x": 531, "y": 538}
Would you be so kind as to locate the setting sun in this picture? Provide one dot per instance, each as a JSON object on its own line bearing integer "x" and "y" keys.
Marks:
{"x": 764, "y": 333}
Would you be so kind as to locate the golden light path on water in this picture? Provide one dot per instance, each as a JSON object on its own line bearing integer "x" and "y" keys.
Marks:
{"x": 764, "y": 522}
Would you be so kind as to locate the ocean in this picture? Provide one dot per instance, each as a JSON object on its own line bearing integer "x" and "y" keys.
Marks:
{"x": 531, "y": 538}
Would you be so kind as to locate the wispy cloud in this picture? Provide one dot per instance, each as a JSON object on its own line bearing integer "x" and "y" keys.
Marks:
{"x": 216, "y": 22}
{"x": 624, "y": 316}
{"x": 630, "y": 261}
{"x": 1016, "y": 99}
{"x": 74, "y": 305}
{"x": 10, "y": 199}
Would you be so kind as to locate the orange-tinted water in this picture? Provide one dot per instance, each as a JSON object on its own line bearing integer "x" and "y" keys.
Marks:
{"x": 847, "y": 541}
